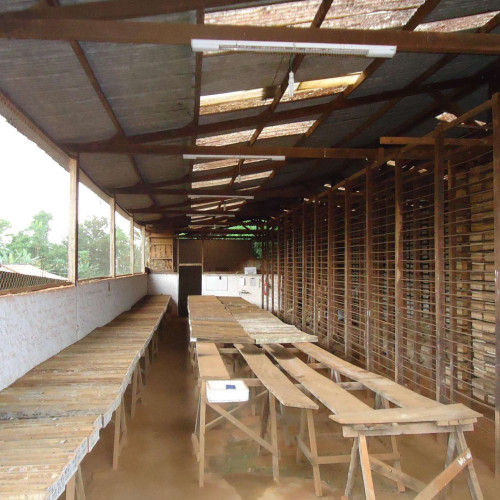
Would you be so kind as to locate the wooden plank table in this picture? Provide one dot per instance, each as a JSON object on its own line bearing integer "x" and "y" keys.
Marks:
{"x": 277, "y": 386}
{"x": 415, "y": 414}
{"x": 50, "y": 418}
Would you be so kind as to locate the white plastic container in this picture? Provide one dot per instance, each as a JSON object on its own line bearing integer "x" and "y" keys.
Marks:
{"x": 227, "y": 391}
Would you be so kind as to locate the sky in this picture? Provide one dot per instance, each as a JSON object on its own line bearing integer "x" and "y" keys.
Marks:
{"x": 31, "y": 181}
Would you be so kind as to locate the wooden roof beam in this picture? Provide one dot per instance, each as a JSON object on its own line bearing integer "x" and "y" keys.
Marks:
{"x": 236, "y": 150}
{"x": 183, "y": 33}
{"x": 276, "y": 193}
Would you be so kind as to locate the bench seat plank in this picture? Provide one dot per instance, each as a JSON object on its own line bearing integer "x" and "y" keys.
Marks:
{"x": 273, "y": 379}
{"x": 210, "y": 364}
{"x": 441, "y": 413}
{"x": 335, "y": 398}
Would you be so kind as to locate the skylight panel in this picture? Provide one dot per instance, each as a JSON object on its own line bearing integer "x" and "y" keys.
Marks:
{"x": 225, "y": 139}
{"x": 253, "y": 177}
{"x": 247, "y": 99}
{"x": 286, "y": 129}
{"x": 458, "y": 23}
{"x": 211, "y": 183}
{"x": 214, "y": 165}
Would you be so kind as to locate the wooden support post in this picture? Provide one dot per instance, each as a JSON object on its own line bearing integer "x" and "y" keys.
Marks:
{"x": 364, "y": 460}
{"x": 294, "y": 269}
{"x": 74, "y": 179}
{"x": 274, "y": 437}
{"x": 202, "y": 417}
{"x": 278, "y": 259}
{"x": 112, "y": 237}
{"x": 274, "y": 250}
{"x": 496, "y": 215}
{"x": 398, "y": 292}
{"x": 286, "y": 270}
{"x": 70, "y": 488}
{"x": 263, "y": 264}
{"x": 347, "y": 275}
{"x": 79, "y": 486}
{"x": 304, "y": 269}
{"x": 143, "y": 248}
{"x": 116, "y": 443}
{"x": 132, "y": 249}
{"x": 330, "y": 270}
{"x": 439, "y": 266}
{"x": 315, "y": 271}
{"x": 314, "y": 452}
{"x": 369, "y": 266}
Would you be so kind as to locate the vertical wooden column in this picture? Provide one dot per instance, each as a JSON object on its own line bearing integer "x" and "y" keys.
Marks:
{"x": 143, "y": 248}
{"x": 263, "y": 263}
{"x": 398, "y": 281}
{"x": 278, "y": 265}
{"x": 439, "y": 266}
{"x": 273, "y": 261}
{"x": 369, "y": 266}
{"x": 294, "y": 271}
{"x": 330, "y": 276}
{"x": 269, "y": 263}
{"x": 347, "y": 274}
{"x": 74, "y": 178}
{"x": 496, "y": 204}
{"x": 315, "y": 270}
{"x": 132, "y": 249}
{"x": 304, "y": 268}
{"x": 112, "y": 237}
{"x": 286, "y": 270}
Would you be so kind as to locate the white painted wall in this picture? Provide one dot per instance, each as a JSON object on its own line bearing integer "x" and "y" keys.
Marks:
{"x": 164, "y": 284}
{"x": 35, "y": 326}
{"x": 168, "y": 284}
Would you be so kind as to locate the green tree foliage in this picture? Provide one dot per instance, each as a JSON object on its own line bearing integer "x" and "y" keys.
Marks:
{"x": 32, "y": 246}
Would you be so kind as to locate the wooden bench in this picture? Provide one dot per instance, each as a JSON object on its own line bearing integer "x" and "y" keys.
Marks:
{"x": 416, "y": 414}
{"x": 277, "y": 387}
{"x": 83, "y": 383}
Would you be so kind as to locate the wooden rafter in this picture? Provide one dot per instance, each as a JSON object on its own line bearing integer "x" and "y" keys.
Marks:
{"x": 183, "y": 33}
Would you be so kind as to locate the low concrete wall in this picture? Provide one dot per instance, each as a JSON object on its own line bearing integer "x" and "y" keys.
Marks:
{"x": 164, "y": 284}
{"x": 35, "y": 326}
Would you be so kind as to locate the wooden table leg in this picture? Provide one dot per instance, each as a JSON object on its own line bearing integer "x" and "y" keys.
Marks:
{"x": 314, "y": 452}
{"x": 80, "y": 490}
{"x": 353, "y": 469}
{"x": 470, "y": 471}
{"x": 274, "y": 437}
{"x": 203, "y": 411}
{"x": 394, "y": 446}
{"x": 116, "y": 444}
{"x": 300, "y": 436}
{"x": 364, "y": 459}
{"x": 264, "y": 421}
{"x": 70, "y": 489}
{"x": 133, "y": 402}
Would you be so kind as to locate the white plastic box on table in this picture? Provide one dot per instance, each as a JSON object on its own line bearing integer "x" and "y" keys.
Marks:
{"x": 227, "y": 391}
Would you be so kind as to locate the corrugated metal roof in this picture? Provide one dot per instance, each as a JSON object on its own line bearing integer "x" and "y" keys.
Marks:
{"x": 448, "y": 9}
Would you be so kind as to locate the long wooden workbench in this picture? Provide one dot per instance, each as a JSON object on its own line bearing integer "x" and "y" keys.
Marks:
{"x": 50, "y": 418}
{"x": 412, "y": 414}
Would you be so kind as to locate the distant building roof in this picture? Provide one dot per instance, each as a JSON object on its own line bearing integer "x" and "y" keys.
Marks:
{"x": 29, "y": 270}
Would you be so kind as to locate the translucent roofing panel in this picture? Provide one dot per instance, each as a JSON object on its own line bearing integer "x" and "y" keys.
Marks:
{"x": 253, "y": 177}
{"x": 286, "y": 14}
{"x": 224, "y": 139}
{"x": 286, "y": 129}
{"x": 355, "y": 14}
{"x": 211, "y": 183}
{"x": 214, "y": 165}
{"x": 231, "y": 101}
{"x": 458, "y": 23}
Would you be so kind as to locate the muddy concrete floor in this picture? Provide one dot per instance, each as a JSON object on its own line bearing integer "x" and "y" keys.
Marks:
{"x": 157, "y": 462}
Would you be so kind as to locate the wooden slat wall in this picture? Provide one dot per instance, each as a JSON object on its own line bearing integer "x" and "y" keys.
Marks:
{"x": 366, "y": 265}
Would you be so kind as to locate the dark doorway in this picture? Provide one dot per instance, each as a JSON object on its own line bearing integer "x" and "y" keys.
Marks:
{"x": 189, "y": 284}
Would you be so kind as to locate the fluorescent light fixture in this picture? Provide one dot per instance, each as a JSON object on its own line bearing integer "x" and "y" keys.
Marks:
{"x": 320, "y": 49}
{"x": 236, "y": 157}
{"x": 238, "y": 196}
